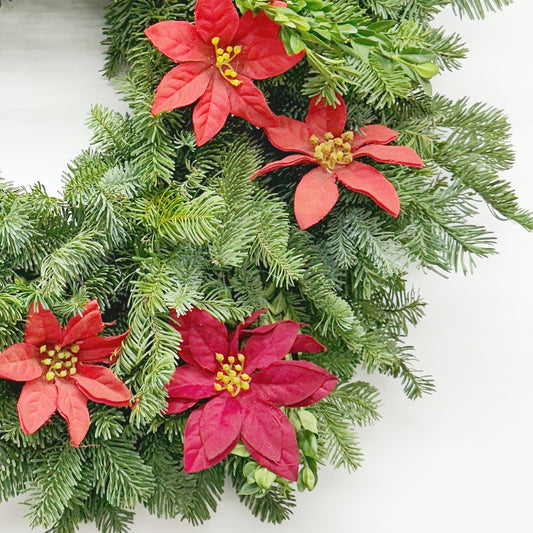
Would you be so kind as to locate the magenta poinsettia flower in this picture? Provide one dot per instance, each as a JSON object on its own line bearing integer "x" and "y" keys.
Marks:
{"x": 219, "y": 56}
{"x": 58, "y": 366}
{"x": 245, "y": 384}
{"x": 321, "y": 140}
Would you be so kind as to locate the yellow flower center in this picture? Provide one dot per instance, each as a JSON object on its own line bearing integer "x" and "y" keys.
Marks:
{"x": 224, "y": 59}
{"x": 334, "y": 150}
{"x": 61, "y": 362}
{"x": 231, "y": 377}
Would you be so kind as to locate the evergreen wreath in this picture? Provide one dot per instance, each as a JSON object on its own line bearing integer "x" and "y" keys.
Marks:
{"x": 236, "y": 330}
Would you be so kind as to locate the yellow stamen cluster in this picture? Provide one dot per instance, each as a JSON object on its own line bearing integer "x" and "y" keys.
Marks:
{"x": 334, "y": 150}
{"x": 61, "y": 362}
{"x": 231, "y": 377}
{"x": 224, "y": 59}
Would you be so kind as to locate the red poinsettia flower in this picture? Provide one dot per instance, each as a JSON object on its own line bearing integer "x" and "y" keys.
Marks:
{"x": 57, "y": 365}
{"x": 321, "y": 140}
{"x": 220, "y": 54}
{"x": 245, "y": 385}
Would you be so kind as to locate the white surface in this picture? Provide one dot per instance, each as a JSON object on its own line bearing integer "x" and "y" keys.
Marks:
{"x": 458, "y": 461}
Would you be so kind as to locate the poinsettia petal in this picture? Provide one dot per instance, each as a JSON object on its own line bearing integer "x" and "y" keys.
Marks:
{"x": 315, "y": 197}
{"x": 398, "y": 155}
{"x": 211, "y": 111}
{"x": 248, "y": 102}
{"x": 42, "y": 327}
{"x": 291, "y": 383}
{"x": 267, "y": 433}
{"x": 87, "y": 308}
{"x": 179, "y": 40}
{"x": 220, "y": 426}
{"x": 100, "y": 385}
{"x": 263, "y": 54}
{"x": 72, "y": 406}
{"x": 261, "y": 429}
{"x": 178, "y": 406}
{"x": 207, "y": 337}
{"x": 194, "y": 457}
{"x": 322, "y": 118}
{"x": 181, "y": 86}
{"x": 235, "y": 336}
{"x": 263, "y": 349}
{"x": 37, "y": 403}
{"x": 370, "y": 181}
{"x": 216, "y": 18}
{"x": 306, "y": 344}
{"x": 290, "y": 135}
{"x": 99, "y": 349}
{"x": 88, "y": 326}
{"x": 191, "y": 383}
{"x": 373, "y": 134}
{"x": 288, "y": 161}
{"x": 19, "y": 362}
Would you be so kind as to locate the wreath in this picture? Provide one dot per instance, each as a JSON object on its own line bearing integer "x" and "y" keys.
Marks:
{"x": 230, "y": 255}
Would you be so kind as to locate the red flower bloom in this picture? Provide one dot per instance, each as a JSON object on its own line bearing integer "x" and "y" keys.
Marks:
{"x": 219, "y": 57}
{"x": 56, "y": 364}
{"x": 322, "y": 141}
{"x": 245, "y": 385}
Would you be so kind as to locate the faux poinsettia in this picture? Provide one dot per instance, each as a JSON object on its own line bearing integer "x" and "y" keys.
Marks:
{"x": 58, "y": 366}
{"x": 219, "y": 56}
{"x": 321, "y": 140}
{"x": 244, "y": 383}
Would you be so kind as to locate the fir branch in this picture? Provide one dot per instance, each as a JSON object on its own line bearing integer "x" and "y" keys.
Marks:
{"x": 124, "y": 480}
{"x": 477, "y": 8}
{"x": 56, "y": 473}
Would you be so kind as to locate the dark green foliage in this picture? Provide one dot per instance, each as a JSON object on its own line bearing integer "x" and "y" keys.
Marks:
{"x": 149, "y": 222}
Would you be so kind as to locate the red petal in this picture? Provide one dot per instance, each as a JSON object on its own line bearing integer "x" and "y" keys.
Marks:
{"x": 235, "y": 336}
{"x": 288, "y": 161}
{"x": 211, "y": 111}
{"x": 261, "y": 429}
{"x": 207, "y": 337}
{"x": 263, "y": 53}
{"x": 216, "y": 18}
{"x": 37, "y": 403}
{"x": 99, "y": 349}
{"x": 72, "y": 406}
{"x": 181, "y": 86}
{"x": 271, "y": 440}
{"x": 294, "y": 383}
{"x": 262, "y": 349}
{"x": 100, "y": 385}
{"x": 373, "y": 134}
{"x": 368, "y": 180}
{"x": 178, "y": 406}
{"x": 306, "y": 344}
{"x": 194, "y": 456}
{"x": 179, "y": 40}
{"x": 322, "y": 118}
{"x": 248, "y": 102}
{"x": 398, "y": 155}
{"x": 191, "y": 383}
{"x": 89, "y": 325}
{"x": 19, "y": 362}
{"x": 87, "y": 308}
{"x": 195, "y": 349}
{"x": 42, "y": 327}
{"x": 290, "y": 135}
{"x": 220, "y": 426}
{"x": 315, "y": 196}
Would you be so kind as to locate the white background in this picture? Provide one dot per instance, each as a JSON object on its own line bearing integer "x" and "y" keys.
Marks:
{"x": 458, "y": 461}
